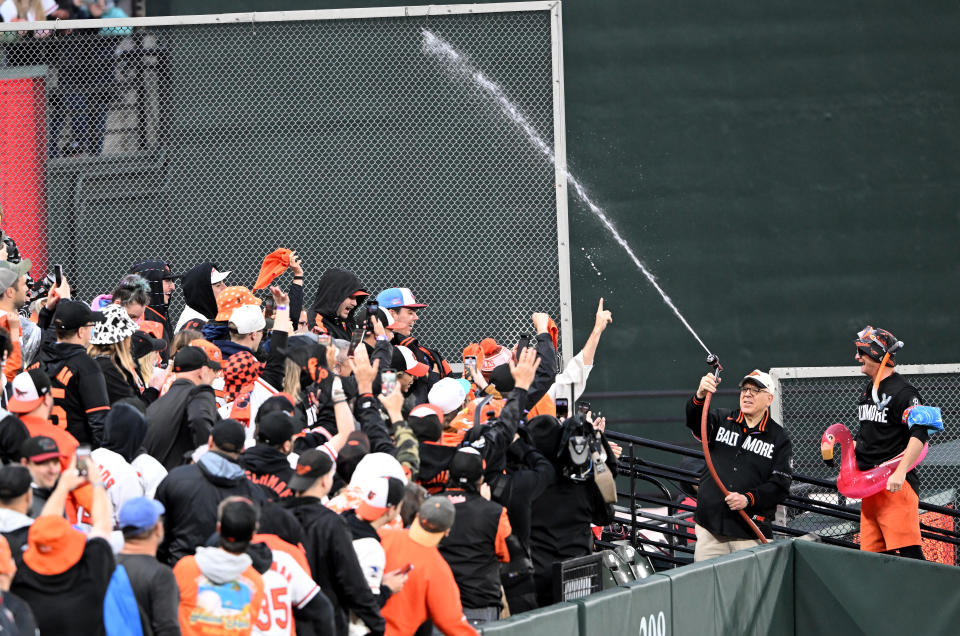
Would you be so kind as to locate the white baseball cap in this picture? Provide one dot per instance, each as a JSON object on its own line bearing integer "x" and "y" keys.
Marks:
{"x": 761, "y": 379}
{"x": 248, "y": 319}
{"x": 217, "y": 277}
{"x": 380, "y": 494}
{"x": 448, "y": 394}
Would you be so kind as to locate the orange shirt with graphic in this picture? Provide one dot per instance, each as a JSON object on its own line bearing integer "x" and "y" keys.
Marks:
{"x": 212, "y": 609}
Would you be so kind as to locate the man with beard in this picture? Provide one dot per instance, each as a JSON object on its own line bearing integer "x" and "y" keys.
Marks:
{"x": 338, "y": 293}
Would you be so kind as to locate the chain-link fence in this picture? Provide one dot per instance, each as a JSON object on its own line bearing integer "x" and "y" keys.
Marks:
{"x": 333, "y": 133}
{"x": 808, "y": 400}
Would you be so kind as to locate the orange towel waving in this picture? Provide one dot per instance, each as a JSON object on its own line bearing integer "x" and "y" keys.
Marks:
{"x": 554, "y": 332}
{"x": 274, "y": 264}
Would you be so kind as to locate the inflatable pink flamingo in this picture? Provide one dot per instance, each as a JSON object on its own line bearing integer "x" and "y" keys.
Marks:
{"x": 853, "y": 482}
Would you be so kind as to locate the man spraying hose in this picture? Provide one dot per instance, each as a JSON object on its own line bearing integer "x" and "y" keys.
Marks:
{"x": 753, "y": 457}
{"x": 890, "y": 519}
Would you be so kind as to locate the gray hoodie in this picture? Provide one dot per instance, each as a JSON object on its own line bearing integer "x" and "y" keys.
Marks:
{"x": 220, "y": 566}
{"x": 11, "y": 520}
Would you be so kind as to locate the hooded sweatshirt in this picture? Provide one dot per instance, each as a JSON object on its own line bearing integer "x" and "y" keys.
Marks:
{"x": 268, "y": 468}
{"x": 191, "y": 494}
{"x": 231, "y": 588}
{"x": 153, "y": 272}
{"x": 198, "y": 294}
{"x": 123, "y": 436}
{"x": 14, "y": 526}
{"x": 335, "y": 286}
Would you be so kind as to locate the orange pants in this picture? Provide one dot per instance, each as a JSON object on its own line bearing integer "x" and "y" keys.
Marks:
{"x": 890, "y": 520}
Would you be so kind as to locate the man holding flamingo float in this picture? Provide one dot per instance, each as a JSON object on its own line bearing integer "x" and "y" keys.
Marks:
{"x": 889, "y": 519}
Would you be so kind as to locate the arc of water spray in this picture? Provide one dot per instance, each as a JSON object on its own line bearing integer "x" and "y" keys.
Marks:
{"x": 460, "y": 66}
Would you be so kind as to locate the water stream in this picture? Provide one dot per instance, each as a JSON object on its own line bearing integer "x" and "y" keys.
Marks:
{"x": 462, "y": 68}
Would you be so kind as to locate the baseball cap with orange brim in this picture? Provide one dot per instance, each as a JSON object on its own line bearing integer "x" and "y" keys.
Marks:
{"x": 406, "y": 362}
{"x": 29, "y": 389}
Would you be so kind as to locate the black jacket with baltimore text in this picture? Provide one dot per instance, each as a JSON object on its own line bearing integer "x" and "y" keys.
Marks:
{"x": 756, "y": 462}
{"x": 882, "y": 434}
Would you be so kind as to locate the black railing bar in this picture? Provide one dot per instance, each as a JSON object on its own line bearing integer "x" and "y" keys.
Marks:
{"x": 652, "y": 555}
{"x": 830, "y": 540}
{"x": 665, "y": 557}
{"x": 825, "y": 504}
{"x": 643, "y": 470}
{"x": 684, "y": 472}
{"x": 649, "y": 394}
{"x": 639, "y": 441}
{"x": 930, "y": 535}
{"x": 662, "y": 502}
{"x": 673, "y": 520}
{"x": 833, "y": 514}
{"x": 682, "y": 534}
{"x": 651, "y": 443}
{"x": 668, "y": 546}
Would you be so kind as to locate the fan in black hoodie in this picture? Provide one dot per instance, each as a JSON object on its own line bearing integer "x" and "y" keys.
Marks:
{"x": 198, "y": 294}
{"x": 335, "y": 302}
{"x": 266, "y": 463}
{"x": 157, "y": 272}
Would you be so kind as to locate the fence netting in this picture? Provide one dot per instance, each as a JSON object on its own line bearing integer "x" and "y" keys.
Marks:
{"x": 811, "y": 404}
{"x": 340, "y": 138}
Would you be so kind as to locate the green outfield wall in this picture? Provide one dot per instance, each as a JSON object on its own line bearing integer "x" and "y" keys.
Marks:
{"x": 783, "y": 589}
{"x": 789, "y": 170}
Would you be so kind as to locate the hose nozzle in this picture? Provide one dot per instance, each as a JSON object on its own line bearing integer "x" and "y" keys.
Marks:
{"x": 714, "y": 361}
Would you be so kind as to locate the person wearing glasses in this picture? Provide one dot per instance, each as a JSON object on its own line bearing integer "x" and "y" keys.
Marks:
{"x": 753, "y": 456}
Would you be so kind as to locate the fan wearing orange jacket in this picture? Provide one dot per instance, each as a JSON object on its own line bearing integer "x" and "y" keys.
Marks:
{"x": 430, "y": 591}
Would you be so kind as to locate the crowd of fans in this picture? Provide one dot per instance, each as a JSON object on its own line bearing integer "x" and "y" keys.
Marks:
{"x": 257, "y": 465}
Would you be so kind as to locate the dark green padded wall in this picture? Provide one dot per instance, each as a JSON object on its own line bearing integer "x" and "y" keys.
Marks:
{"x": 789, "y": 170}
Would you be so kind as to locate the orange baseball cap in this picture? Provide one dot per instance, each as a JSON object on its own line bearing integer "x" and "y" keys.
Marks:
{"x": 213, "y": 351}
{"x": 53, "y": 545}
{"x": 231, "y": 298}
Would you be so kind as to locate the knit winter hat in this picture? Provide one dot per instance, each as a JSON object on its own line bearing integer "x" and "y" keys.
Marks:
{"x": 240, "y": 371}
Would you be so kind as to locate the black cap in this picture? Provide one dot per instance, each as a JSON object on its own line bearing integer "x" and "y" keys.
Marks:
{"x": 228, "y": 435}
{"x": 312, "y": 465}
{"x": 275, "y": 428}
{"x": 154, "y": 270}
{"x": 39, "y": 449}
{"x": 238, "y": 518}
{"x": 142, "y": 343}
{"x": 191, "y": 359}
{"x": 466, "y": 467}
{"x": 14, "y": 481}
{"x": 502, "y": 379}
{"x": 358, "y": 445}
{"x": 275, "y": 404}
{"x": 72, "y": 315}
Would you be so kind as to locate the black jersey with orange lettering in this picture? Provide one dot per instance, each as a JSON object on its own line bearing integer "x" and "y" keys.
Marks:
{"x": 79, "y": 391}
{"x": 756, "y": 462}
